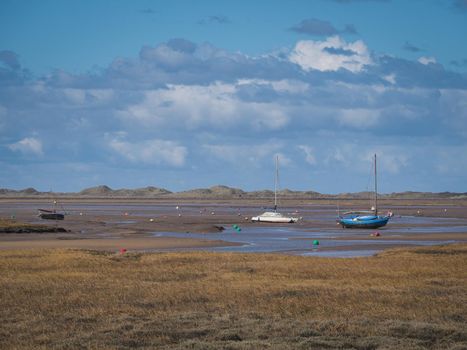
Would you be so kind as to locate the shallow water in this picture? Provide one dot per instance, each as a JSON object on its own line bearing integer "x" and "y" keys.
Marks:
{"x": 299, "y": 241}
{"x": 289, "y": 239}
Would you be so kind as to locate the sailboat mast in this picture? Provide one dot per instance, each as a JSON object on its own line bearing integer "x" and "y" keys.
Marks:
{"x": 275, "y": 182}
{"x": 376, "y": 190}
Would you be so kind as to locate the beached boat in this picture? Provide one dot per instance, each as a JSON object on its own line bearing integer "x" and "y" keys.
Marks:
{"x": 365, "y": 219}
{"x": 51, "y": 214}
{"x": 357, "y": 220}
{"x": 274, "y": 216}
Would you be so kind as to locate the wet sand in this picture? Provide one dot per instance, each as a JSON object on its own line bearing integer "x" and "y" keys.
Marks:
{"x": 129, "y": 243}
{"x": 458, "y": 236}
{"x": 114, "y": 224}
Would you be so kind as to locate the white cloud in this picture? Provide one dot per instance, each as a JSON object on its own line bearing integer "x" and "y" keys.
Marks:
{"x": 28, "y": 145}
{"x": 394, "y": 162}
{"x": 243, "y": 153}
{"x": 151, "y": 151}
{"x": 234, "y": 104}
{"x": 331, "y": 55}
{"x": 359, "y": 118}
{"x": 391, "y": 78}
{"x": 391, "y": 158}
{"x": 215, "y": 105}
{"x": 76, "y": 96}
{"x": 165, "y": 55}
{"x": 341, "y": 154}
{"x": 427, "y": 60}
{"x": 309, "y": 154}
{"x": 88, "y": 96}
{"x": 285, "y": 85}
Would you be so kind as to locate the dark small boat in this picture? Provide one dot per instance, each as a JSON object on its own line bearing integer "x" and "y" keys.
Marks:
{"x": 50, "y": 215}
{"x": 365, "y": 219}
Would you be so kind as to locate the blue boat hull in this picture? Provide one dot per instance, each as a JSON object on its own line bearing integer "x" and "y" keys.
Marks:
{"x": 364, "y": 221}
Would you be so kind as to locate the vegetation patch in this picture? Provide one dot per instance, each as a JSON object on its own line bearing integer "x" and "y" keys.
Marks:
{"x": 13, "y": 226}
{"x": 199, "y": 300}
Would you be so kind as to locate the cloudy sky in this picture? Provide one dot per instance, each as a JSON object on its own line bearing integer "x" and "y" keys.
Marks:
{"x": 187, "y": 94}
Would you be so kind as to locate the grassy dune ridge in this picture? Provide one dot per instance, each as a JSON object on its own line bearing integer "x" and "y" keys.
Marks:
{"x": 403, "y": 298}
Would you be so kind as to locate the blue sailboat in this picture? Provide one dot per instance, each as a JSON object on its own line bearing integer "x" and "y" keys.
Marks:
{"x": 365, "y": 219}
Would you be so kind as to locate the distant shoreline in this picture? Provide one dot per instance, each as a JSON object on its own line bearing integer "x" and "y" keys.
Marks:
{"x": 216, "y": 192}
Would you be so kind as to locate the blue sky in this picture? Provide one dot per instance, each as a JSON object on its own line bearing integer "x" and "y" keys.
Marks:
{"x": 187, "y": 94}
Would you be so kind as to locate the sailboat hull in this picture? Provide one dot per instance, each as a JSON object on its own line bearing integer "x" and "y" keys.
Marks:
{"x": 51, "y": 216}
{"x": 364, "y": 221}
{"x": 274, "y": 217}
{"x": 284, "y": 220}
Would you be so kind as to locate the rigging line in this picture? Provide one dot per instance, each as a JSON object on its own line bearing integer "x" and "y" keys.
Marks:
{"x": 368, "y": 189}
{"x": 277, "y": 180}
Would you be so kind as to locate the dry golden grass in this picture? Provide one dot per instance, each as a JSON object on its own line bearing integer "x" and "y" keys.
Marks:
{"x": 405, "y": 298}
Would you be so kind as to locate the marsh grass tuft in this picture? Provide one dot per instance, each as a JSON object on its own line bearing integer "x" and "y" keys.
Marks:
{"x": 14, "y": 226}
{"x": 403, "y": 298}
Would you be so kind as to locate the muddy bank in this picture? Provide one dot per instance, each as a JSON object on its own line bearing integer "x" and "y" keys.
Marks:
{"x": 134, "y": 243}
{"x": 135, "y": 224}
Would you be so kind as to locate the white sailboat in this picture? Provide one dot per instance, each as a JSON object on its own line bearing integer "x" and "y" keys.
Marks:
{"x": 274, "y": 216}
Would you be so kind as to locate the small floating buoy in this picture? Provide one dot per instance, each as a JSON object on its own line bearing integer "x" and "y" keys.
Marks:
{"x": 315, "y": 245}
{"x": 212, "y": 213}
{"x": 179, "y": 215}
{"x": 151, "y": 220}
{"x": 177, "y": 207}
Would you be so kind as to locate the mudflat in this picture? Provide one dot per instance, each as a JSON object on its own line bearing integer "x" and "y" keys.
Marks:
{"x": 111, "y": 224}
